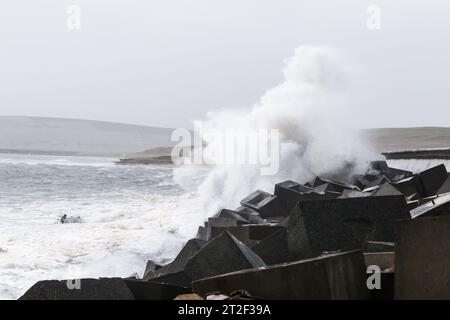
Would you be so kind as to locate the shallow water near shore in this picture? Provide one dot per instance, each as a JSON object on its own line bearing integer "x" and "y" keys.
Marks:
{"x": 129, "y": 214}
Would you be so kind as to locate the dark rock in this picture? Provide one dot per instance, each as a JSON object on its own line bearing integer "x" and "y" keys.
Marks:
{"x": 144, "y": 290}
{"x": 221, "y": 255}
{"x": 90, "y": 289}
{"x": 265, "y": 204}
{"x": 337, "y": 276}
{"x": 274, "y": 248}
{"x": 70, "y": 219}
{"x": 317, "y": 226}
{"x": 422, "y": 258}
{"x": 433, "y": 178}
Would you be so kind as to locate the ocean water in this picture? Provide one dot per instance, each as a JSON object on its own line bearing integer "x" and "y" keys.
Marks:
{"x": 129, "y": 214}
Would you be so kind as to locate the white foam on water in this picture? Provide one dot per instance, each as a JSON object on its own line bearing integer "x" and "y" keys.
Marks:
{"x": 130, "y": 215}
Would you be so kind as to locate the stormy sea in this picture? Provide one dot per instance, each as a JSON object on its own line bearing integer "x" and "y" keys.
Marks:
{"x": 117, "y": 217}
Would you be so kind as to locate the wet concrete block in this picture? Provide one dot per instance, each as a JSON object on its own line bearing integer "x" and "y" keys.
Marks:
{"x": 145, "y": 290}
{"x": 407, "y": 186}
{"x": 231, "y": 214}
{"x": 436, "y": 206}
{"x": 264, "y": 203}
{"x": 336, "y": 276}
{"x": 251, "y": 215}
{"x": 384, "y": 260}
{"x": 217, "y": 225}
{"x": 386, "y": 189}
{"x": 202, "y": 233}
{"x": 317, "y": 226}
{"x": 445, "y": 188}
{"x": 89, "y": 289}
{"x": 289, "y": 193}
{"x": 378, "y": 246}
{"x": 433, "y": 178}
{"x": 179, "y": 263}
{"x": 150, "y": 269}
{"x": 332, "y": 186}
{"x": 422, "y": 258}
{"x": 221, "y": 255}
{"x": 274, "y": 248}
{"x": 177, "y": 279}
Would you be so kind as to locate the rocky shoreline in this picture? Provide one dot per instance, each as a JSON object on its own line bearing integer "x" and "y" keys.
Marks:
{"x": 382, "y": 236}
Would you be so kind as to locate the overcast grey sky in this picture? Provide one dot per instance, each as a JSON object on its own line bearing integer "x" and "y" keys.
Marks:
{"x": 166, "y": 62}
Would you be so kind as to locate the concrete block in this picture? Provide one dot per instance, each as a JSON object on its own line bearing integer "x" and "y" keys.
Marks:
{"x": 274, "y": 248}
{"x": 317, "y": 226}
{"x": 436, "y": 206}
{"x": 150, "y": 269}
{"x": 250, "y": 215}
{"x": 179, "y": 263}
{"x": 384, "y": 260}
{"x": 407, "y": 186}
{"x": 433, "y": 178}
{"x": 231, "y": 214}
{"x": 144, "y": 290}
{"x": 445, "y": 188}
{"x": 386, "y": 189}
{"x": 378, "y": 246}
{"x": 289, "y": 193}
{"x": 265, "y": 204}
{"x": 336, "y": 276}
{"x": 202, "y": 233}
{"x": 422, "y": 258}
{"x": 221, "y": 255}
{"x": 215, "y": 224}
{"x": 90, "y": 289}
{"x": 177, "y": 279}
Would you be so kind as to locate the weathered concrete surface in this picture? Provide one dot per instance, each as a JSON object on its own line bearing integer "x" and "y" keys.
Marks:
{"x": 433, "y": 178}
{"x": 336, "y": 276}
{"x": 178, "y": 264}
{"x": 144, "y": 290}
{"x": 91, "y": 289}
{"x": 445, "y": 186}
{"x": 150, "y": 269}
{"x": 290, "y": 192}
{"x": 231, "y": 214}
{"x": 274, "y": 248}
{"x": 384, "y": 260}
{"x": 264, "y": 203}
{"x": 316, "y": 226}
{"x": 422, "y": 258}
{"x": 437, "y": 206}
{"x": 221, "y": 255}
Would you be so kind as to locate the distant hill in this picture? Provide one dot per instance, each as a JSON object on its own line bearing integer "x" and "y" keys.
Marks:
{"x": 394, "y": 139}
{"x": 54, "y": 135}
{"x": 69, "y": 136}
